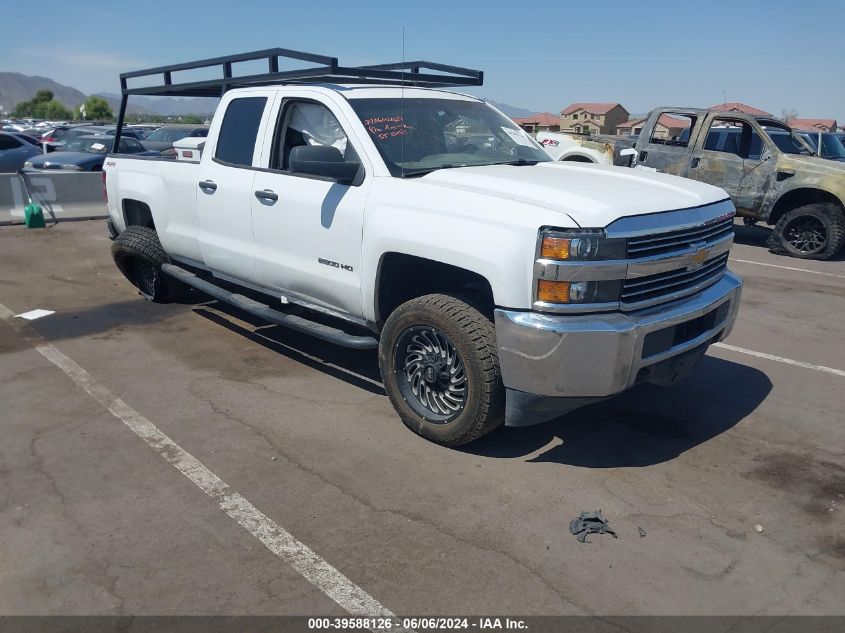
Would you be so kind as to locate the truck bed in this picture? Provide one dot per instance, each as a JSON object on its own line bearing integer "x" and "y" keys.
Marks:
{"x": 172, "y": 184}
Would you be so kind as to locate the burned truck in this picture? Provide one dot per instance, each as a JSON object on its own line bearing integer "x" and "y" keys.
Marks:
{"x": 770, "y": 172}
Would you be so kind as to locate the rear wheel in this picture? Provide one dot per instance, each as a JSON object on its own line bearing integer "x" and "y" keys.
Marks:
{"x": 139, "y": 256}
{"x": 814, "y": 231}
{"x": 440, "y": 369}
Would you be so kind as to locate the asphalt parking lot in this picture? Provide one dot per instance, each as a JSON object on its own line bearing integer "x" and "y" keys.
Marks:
{"x": 96, "y": 519}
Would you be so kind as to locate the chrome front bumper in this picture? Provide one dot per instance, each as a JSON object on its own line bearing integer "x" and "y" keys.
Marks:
{"x": 585, "y": 357}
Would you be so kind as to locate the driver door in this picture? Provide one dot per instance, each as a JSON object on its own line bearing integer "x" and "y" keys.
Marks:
{"x": 308, "y": 229}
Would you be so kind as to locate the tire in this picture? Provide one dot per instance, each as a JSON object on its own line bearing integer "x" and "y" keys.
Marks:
{"x": 139, "y": 256}
{"x": 414, "y": 349}
{"x": 814, "y": 231}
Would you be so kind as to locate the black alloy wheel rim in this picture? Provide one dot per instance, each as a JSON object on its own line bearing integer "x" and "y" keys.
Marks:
{"x": 806, "y": 234}
{"x": 147, "y": 278}
{"x": 431, "y": 374}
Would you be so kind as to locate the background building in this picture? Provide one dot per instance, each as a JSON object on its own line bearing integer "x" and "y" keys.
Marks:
{"x": 734, "y": 106}
{"x": 667, "y": 126}
{"x": 594, "y": 118}
{"x": 813, "y": 125}
{"x": 540, "y": 122}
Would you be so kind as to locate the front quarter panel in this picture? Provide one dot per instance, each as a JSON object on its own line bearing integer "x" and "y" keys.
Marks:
{"x": 490, "y": 236}
{"x": 802, "y": 173}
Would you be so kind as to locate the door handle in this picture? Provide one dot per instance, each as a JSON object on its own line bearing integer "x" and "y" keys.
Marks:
{"x": 694, "y": 162}
{"x": 209, "y": 186}
{"x": 266, "y": 194}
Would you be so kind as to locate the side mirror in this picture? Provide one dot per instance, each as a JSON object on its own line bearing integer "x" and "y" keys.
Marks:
{"x": 631, "y": 153}
{"x": 325, "y": 161}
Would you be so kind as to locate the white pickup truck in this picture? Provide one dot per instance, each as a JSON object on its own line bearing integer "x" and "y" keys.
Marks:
{"x": 497, "y": 285}
{"x": 579, "y": 148}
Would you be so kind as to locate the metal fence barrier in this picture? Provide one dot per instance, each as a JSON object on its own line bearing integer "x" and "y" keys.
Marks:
{"x": 62, "y": 196}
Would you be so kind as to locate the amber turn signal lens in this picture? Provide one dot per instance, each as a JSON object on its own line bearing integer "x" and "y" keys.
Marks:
{"x": 553, "y": 291}
{"x": 555, "y": 247}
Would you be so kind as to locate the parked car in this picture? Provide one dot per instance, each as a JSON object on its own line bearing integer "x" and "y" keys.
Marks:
{"x": 32, "y": 140}
{"x": 68, "y": 135}
{"x": 827, "y": 144}
{"x": 55, "y": 134}
{"x": 143, "y": 130}
{"x": 162, "y": 139}
{"x": 579, "y": 148}
{"x": 498, "y": 286}
{"x": 14, "y": 152}
{"x": 86, "y": 153}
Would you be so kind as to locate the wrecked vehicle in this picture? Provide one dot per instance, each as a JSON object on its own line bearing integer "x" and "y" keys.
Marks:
{"x": 771, "y": 173}
{"x": 581, "y": 148}
{"x": 497, "y": 285}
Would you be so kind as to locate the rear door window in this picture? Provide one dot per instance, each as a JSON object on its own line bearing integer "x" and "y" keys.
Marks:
{"x": 236, "y": 141}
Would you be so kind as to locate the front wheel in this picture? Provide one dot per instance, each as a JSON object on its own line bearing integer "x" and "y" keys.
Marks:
{"x": 814, "y": 231}
{"x": 440, "y": 369}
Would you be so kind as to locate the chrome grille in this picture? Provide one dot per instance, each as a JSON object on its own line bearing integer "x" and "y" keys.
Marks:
{"x": 657, "y": 244}
{"x": 638, "y": 291}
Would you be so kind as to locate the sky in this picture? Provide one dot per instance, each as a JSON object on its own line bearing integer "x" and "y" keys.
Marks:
{"x": 774, "y": 55}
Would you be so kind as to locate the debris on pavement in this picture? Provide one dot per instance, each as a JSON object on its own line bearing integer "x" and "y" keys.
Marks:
{"x": 589, "y": 523}
{"x": 35, "y": 314}
{"x": 641, "y": 531}
{"x": 758, "y": 528}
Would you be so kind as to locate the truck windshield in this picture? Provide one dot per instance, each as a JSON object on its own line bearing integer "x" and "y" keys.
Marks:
{"x": 417, "y": 136}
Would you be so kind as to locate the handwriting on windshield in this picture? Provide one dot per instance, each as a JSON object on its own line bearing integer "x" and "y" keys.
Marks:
{"x": 385, "y": 127}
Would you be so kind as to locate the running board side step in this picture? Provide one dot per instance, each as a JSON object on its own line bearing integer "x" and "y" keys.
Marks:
{"x": 262, "y": 311}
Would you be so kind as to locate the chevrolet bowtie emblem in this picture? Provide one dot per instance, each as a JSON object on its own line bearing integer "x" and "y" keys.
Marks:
{"x": 698, "y": 257}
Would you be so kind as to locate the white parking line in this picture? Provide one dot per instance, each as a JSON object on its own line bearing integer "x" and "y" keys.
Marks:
{"x": 799, "y": 270}
{"x": 781, "y": 359}
{"x": 303, "y": 559}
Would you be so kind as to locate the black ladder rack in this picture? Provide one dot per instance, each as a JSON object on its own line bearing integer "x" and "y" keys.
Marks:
{"x": 323, "y": 69}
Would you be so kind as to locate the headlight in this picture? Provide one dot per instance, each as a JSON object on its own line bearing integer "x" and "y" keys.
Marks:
{"x": 581, "y": 244}
{"x": 578, "y": 291}
{"x": 565, "y": 272}
{"x": 27, "y": 164}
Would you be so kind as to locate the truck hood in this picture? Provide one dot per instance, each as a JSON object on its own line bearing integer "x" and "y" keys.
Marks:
{"x": 592, "y": 195}
{"x": 814, "y": 164}
{"x": 55, "y": 160}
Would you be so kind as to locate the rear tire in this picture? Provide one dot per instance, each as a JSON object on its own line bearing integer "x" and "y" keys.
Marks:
{"x": 814, "y": 231}
{"x": 139, "y": 256}
{"x": 440, "y": 368}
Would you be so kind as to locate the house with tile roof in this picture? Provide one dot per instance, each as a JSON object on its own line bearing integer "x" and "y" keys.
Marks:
{"x": 735, "y": 106}
{"x": 593, "y": 118}
{"x": 667, "y": 127}
{"x": 539, "y": 122}
{"x": 813, "y": 125}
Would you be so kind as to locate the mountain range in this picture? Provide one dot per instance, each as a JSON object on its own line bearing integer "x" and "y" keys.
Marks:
{"x": 16, "y": 87}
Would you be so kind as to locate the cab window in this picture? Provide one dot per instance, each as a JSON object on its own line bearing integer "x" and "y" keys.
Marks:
{"x": 663, "y": 131}
{"x": 735, "y": 137}
{"x": 308, "y": 123}
{"x": 239, "y": 130}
